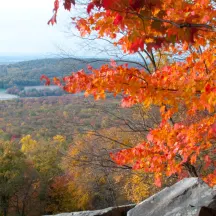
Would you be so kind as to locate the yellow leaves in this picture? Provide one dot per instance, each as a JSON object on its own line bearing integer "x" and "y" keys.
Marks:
{"x": 59, "y": 138}
{"x": 156, "y": 11}
{"x": 65, "y": 114}
{"x": 137, "y": 187}
{"x": 28, "y": 144}
{"x": 102, "y": 180}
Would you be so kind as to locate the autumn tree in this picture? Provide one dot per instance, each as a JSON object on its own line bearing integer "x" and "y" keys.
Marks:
{"x": 12, "y": 176}
{"x": 46, "y": 158}
{"x": 183, "y": 30}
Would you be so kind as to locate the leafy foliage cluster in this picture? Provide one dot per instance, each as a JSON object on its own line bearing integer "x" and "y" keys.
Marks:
{"x": 152, "y": 29}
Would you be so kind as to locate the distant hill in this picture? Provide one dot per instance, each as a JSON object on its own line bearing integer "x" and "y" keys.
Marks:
{"x": 10, "y": 59}
{"x": 28, "y": 73}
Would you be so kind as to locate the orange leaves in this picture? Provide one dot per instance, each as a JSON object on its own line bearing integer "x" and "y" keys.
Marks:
{"x": 128, "y": 101}
{"x": 174, "y": 22}
{"x": 171, "y": 144}
{"x": 211, "y": 179}
{"x": 179, "y": 145}
{"x": 181, "y": 28}
{"x": 83, "y": 27}
{"x": 43, "y": 77}
{"x": 164, "y": 22}
{"x": 158, "y": 182}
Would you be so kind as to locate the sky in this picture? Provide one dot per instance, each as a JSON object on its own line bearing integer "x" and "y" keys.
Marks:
{"x": 24, "y": 28}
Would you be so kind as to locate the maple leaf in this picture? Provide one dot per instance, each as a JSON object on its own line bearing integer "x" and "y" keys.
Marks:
{"x": 214, "y": 127}
{"x": 43, "y": 77}
{"x": 67, "y": 4}
{"x": 156, "y": 45}
{"x": 113, "y": 63}
{"x": 89, "y": 67}
{"x": 53, "y": 19}
{"x": 207, "y": 161}
{"x": 127, "y": 101}
{"x": 158, "y": 182}
{"x": 90, "y": 7}
{"x": 56, "y": 5}
{"x": 107, "y": 3}
{"x": 118, "y": 19}
{"x": 208, "y": 88}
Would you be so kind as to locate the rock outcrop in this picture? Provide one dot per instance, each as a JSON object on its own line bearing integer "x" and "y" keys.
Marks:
{"x": 112, "y": 211}
{"x": 189, "y": 197}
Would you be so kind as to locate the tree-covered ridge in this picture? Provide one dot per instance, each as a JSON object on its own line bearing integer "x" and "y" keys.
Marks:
{"x": 28, "y": 73}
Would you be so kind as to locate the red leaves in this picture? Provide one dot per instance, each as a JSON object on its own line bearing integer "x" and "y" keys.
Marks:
{"x": 68, "y": 3}
{"x": 205, "y": 19}
{"x": 90, "y": 7}
{"x": 192, "y": 33}
{"x": 56, "y": 5}
{"x": 128, "y": 101}
{"x": 208, "y": 88}
{"x": 158, "y": 182}
{"x": 107, "y": 4}
{"x": 208, "y": 161}
{"x": 113, "y": 63}
{"x": 53, "y": 20}
{"x": 136, "y": 45}
{"x": 213, "y": 127}
{"x": 156, "y": 44}
{"x": 118, "y": 19}
{"x": 43, "y": 77}
{"x": 136, "y": 4}
{"x": 67, "y": 6}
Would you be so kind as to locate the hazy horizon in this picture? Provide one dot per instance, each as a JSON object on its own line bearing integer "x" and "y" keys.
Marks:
{"x": 24, "y": 29}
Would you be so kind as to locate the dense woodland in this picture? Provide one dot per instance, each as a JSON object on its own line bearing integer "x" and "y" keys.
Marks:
{"x": 60, "y": 149}
{"x": 55, "y": 154}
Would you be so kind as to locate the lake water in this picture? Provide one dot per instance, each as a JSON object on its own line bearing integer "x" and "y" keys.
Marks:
{"x": 5, "y": 96}
{"x": 42, "y": 87}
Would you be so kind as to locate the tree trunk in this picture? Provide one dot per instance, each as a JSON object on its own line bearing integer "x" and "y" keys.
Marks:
{"x": 191, "y": 169}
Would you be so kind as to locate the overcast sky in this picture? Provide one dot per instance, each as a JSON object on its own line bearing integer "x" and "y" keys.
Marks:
{"x": 24, "y": 29}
